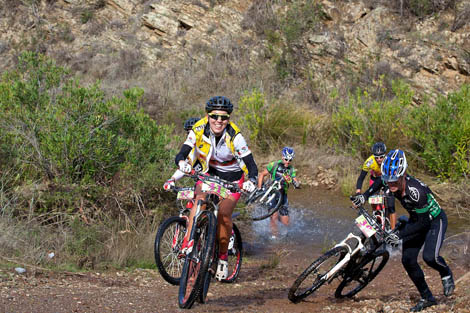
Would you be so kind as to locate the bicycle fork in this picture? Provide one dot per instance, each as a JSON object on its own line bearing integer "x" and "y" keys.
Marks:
{"x": 267, "y": 193}
{"x": 347, "y": 257}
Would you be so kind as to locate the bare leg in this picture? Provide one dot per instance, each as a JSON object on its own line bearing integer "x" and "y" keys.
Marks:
{"x": 199, "y": 196}
{"x": 393, "y": 220}
{"x": 284, "y": 219}
{"x": 274, "y": 218}
{"x": 224, "y": 225}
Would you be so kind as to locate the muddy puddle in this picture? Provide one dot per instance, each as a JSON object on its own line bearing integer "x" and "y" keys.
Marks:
{"x": 319, "y": 218}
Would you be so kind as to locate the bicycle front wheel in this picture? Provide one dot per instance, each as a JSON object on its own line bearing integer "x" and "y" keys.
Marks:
{"x": 197, "y": 262}
{"x": 265, "y": 205}
{"x": 167, "y": 246}
{"x": 359, "y": 276}
{"x": 314, "y": 276}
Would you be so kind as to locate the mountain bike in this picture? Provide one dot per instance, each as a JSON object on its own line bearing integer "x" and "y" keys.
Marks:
{"x": 169, "y": 239}
{"x": 198, "y": 268}
{"x": 266, "y": 201}
{"x": 355, "y": 261}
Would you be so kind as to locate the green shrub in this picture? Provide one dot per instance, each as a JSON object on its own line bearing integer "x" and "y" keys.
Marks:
{"x": 300, "y": 17}
{"x": 276, "y": 123}
{"x": 363, "y": 120}
{"x": 71, "y": 137}
{"x": 441, "y": 134}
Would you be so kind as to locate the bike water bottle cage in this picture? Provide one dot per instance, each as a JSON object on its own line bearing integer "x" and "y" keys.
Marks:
{"x": 394, "y": 166}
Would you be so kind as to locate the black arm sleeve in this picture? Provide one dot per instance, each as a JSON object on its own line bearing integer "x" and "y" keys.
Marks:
{"x": 183, "y": 154}
{"x": 360, "y": 179}
{"x": 374, "y": 188}
{"x": 390, "y": 203}
{"x": 251, "y": 165}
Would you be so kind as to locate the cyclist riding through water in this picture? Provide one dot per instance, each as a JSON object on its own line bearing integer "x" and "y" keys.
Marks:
{"x": 372, "y": 164}
{"x": 177, "y": 175}
{"x": 222, "y": 151}
{"x": 275, "y": 169}
{"x": 426, "y": 226}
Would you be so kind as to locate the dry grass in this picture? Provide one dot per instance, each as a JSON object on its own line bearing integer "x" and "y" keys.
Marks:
{"x": 77, "y": 245}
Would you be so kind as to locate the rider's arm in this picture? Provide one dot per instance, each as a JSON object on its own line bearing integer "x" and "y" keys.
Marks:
{"x": 374, "y": 188}
{"x": 251, "y": 166}
{"x": 183, "y": 154}
{"x": 244, "y": 152}
{"x": 177, "y": 175}
{"x": 415, "y": 227}
{"x": 360, "y": 180}
{"x": 261, "y": 177}
{"x": 188, "y": 145}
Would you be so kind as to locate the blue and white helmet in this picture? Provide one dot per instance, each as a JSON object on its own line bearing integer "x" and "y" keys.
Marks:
{"x": 288, "y": 153}
{"x": 394, "y": 165}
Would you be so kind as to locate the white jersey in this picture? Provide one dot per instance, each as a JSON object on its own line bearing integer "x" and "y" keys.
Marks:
{"x": 221, "y": 157}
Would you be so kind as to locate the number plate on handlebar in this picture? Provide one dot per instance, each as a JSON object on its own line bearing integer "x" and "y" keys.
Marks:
{"x": 215, "y": 188}
{"x": 364, "y": 226}
{"x": 376, "y": 199}
{"x": 185, "y": 195}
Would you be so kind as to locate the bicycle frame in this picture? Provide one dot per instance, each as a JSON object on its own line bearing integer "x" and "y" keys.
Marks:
{"x": 276, "y": 185}
{"x": 369, "y": 229}
{"x": 378, "y": 200}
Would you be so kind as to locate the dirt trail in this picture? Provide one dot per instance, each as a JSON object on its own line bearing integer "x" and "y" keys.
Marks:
{"x": 268, "y": 270}
{"x": 262, "y": 287}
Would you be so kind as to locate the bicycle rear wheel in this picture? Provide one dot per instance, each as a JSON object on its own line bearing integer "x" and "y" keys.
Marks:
{"x": 196, "y": 264}
{"x": 167, "y": 246}
{"x": 313, "y": 277}
{"x": 265, "y": 205}
{"x": 359, "y": 276}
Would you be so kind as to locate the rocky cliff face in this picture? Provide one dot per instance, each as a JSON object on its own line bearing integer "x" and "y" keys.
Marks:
{"x": 97, "y": 37}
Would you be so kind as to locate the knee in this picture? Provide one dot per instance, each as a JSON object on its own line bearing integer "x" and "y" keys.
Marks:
{"x": 429, "y": 258}
{"x": 224, "y": 218}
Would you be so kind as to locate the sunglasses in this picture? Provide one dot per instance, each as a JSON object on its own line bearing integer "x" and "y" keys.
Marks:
{"x": 286, "y": 160}
{"x": 380, "y": 157}
{"x": 223, "y": 117}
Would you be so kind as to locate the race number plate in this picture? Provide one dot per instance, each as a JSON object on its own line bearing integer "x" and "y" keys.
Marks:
{"x": 376, "y": 199}
{"x": 214, "y": 188}
{"x": 185, "y": 195}
{"x": 364, "y": 226}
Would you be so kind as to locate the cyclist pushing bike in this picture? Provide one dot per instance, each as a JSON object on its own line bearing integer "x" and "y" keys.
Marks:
{"x": 372, "y": 164}
{"x": 276, "y": 169}
{"x": 222, "y": 151}
{"x": 426, "y": 226}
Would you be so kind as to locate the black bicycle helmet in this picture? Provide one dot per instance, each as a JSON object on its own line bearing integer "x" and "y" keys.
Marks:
{"x": 189, "y": 123}
{"x": 219, "y": 103}
{"x": 379, "y": 149}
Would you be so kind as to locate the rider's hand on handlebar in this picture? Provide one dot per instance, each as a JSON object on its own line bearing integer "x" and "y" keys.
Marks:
{"x": 296, "y": 183}
{"x": 169, "y": 184}
{"x": 249, "y": 186}
{"x": 184, "y": 167}
{"x": 358, "y": 200}
{"x": 392, "y": 239}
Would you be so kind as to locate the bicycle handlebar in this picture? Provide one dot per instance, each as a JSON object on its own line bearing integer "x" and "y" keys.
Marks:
{"x": 232, "y": 186}
{"x": 371, "y": 219}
